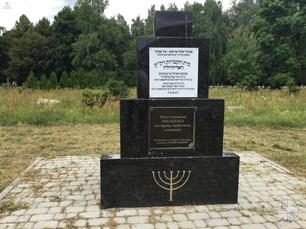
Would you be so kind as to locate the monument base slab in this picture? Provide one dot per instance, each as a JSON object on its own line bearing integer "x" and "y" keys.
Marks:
{"x": 164, "y": 181}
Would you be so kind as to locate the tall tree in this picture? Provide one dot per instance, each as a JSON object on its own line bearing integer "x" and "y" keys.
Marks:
{"x": 129, "y": 64}
{"x": 89, "y": 14}
{"x": 98, "y": 6}
{"x": 65, "y": 33}
{"x": 240, "y": 60}
{"x": 241, "y": 14}
{"x": 137, "y": 27}
{"x": 149, "y": 21}
{"x": 90, "y": 53}
{"x": 4, "y": 57}
{"x": 43, "y": 27}
{"x": 210, "y": 22}
{"x": 172, "y": 7}
{"x": 11, "y": 38}
{"x": 27, "y": 51}
{"x": 281, "y": 43}
{"x": 22, "y": 26}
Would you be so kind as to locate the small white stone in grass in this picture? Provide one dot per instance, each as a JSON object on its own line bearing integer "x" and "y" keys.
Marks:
{"x": 47, "y": 101}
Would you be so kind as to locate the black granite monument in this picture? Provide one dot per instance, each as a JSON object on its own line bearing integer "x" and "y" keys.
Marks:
{"x": 172, "y": 135}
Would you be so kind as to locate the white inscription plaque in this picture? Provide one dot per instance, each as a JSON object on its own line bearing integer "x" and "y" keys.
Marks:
{"x": 173, "y": 72}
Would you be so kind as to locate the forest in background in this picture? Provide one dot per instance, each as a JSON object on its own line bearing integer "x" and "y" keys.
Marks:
{"x": 254, "y": 43}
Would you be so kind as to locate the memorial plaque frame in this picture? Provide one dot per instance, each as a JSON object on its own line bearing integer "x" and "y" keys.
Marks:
{"x": 144, "y": 44}
{"x": 174, "y": 110}
{"x": 173, "y": 72}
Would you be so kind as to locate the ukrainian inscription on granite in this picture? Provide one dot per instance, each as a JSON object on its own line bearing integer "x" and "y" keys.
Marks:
{"x": 171, "y": 128}
{"x": 173, "y": 72}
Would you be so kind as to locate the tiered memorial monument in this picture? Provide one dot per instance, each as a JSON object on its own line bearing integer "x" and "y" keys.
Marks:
{"x": 172, "y": 135}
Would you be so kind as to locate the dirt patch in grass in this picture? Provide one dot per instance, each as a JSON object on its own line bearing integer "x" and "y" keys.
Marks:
{"x": 20, "y": 145}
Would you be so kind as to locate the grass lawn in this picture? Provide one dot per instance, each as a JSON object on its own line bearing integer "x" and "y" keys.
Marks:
{"x": 22, "y": 144}
{"x": 268, "y": 122}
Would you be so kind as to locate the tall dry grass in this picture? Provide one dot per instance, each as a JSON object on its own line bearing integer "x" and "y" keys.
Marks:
{"x": 262, "y": 108}
{"x": 20, "y": 106}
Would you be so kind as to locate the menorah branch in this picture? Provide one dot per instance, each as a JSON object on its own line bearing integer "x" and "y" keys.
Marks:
{"x": 171, "y": 184}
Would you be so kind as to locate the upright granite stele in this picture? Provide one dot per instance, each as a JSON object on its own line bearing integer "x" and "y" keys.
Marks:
{"x": 172, "y": 135}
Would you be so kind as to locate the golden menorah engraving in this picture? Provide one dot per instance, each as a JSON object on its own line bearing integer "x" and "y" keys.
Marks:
{"x": 171, "y": 182}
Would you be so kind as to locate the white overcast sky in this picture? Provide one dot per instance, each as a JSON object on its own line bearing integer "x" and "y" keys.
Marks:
{"x": 11, "y": 10}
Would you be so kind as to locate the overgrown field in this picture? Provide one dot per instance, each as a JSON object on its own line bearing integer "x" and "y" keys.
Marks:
{"x": 262, "y": 108}
{"x": 21, "y": 144}
{"x": 20, "y": 106}
{"x": 269, "y": 122}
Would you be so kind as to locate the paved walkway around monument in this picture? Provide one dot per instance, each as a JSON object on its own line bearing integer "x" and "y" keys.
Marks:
{"x": 63, "y": 192}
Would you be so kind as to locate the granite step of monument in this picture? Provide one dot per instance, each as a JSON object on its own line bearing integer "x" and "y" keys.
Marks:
{"x": 171, "y": 127}
{"x": 165, "y": 181}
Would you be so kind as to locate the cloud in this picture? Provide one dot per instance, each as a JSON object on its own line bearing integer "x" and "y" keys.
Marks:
{"x": 133, "y": 8}
{"x": 33, "y": 9}
{"x": 11, "y": 10}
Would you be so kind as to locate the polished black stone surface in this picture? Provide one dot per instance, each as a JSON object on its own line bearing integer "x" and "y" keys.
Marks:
{"x": 136, "y": 127}
{"x": 143, "y": 45}
{"x": 171, "y": 148}
{"x": 173, "y": 24}
{"x": 135, "y": 182}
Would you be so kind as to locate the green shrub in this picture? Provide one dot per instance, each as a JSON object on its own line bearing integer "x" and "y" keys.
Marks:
{"x": 53, "y": 80}
{"x": 81, "y": 77}
{"x": 292, "y": 88}
{"x": 278, "y": 80}
{"x": 31, "y": 81}
{"x": 117, "y": 88}
{"x": 73, "y": 80}
{"x": 93, "y": 79}
{"x": 249, "y": 83}
{"x": 44, "y": 83}
{"x": 240, "y": 61}
{"x": 93, "y": 98}
{"x": 64, "y": 81}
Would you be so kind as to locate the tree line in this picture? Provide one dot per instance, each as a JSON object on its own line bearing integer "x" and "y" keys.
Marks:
{"x": 254, "y": 43}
